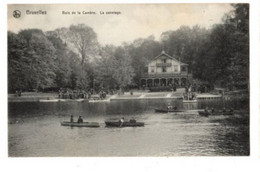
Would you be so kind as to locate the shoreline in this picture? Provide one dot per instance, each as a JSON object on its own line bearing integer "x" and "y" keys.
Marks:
{"x": 36, "y": 97}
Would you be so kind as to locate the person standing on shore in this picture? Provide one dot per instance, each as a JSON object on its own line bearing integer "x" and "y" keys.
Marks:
{"x": 71, "y": 118}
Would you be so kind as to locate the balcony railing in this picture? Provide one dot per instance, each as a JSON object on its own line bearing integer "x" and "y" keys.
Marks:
{"x": 165, "y": 75}
{"x": 163, "y": 64}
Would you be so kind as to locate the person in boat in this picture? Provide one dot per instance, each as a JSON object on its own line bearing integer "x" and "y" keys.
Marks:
{"x": 80, "y": 120}
{"x": 121, "y": 121}
{"x": 206, "y": 110}
{"x": 174, "y": 108}
{"x": 224, "y": 109}
{"x": 212, "y": 110}
{"x": 169, "y": 107}
{"x": 132, "y": 120}
{"x": 71, "y": 118}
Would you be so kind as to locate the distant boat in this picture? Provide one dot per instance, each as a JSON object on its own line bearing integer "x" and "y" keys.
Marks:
{"x": 131, "y": 123}
{"x": 189, "y": 97}
{"x": 84, "y": 124}
{"x": 167, "y": 110}
{"x": 203, "y": 113}
{"x": 228, "y": 112}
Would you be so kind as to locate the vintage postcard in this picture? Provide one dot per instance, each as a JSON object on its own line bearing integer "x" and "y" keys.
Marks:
{"x": 128, "y": 80}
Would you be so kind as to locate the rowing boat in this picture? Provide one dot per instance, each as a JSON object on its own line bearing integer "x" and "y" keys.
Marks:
{"x": 167, "y": 110}
{"x": 203, "y": 113}
{"x": 124, "y": 124}
{"x": 84, "y": 124}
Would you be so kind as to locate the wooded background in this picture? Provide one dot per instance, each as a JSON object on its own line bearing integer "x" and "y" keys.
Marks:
{"x": 73, "y": 58}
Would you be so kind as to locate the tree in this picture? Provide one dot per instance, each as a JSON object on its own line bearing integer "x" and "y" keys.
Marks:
{"x": 31, "y": 60}
{"x": 142, "y": 51}
{"x": 124, "y": 72}
{"x": 84, "y": 40}
{"x": 104, "y": 68}
{"x": 228, "y": 48}
{"x": 16, "y": 46}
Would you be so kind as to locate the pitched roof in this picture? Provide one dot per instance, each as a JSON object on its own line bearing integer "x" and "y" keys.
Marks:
{"x": 167, "y": 55}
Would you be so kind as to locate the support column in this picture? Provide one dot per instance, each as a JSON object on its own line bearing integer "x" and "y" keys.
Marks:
{"x": 152, "y": 82}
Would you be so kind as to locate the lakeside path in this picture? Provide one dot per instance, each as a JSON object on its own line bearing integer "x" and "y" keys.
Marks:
{"x": 137, "y": 95}
{"x": 161, "y": 95}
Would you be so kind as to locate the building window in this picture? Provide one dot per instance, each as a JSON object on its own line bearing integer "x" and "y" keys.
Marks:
{"x": 163, "y": 69}
{"x": 152, "y": 70}
{"x": 183, "y": 69}
{"x": 175, "y": 67}
{"x": 164, "y": 60}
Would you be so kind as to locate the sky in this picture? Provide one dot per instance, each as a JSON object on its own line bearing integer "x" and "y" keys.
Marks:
{"x": 134, "y": 21}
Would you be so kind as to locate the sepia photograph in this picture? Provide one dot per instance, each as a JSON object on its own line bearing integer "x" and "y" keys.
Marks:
{"x": 128, "y": 80}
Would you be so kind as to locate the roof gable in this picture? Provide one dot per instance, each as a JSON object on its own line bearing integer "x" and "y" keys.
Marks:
{"x": 168, "y": 56}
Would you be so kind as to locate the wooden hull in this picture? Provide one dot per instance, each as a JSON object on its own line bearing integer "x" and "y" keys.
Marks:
{"x": 167, "y": 111}
{"x": 125, "y": 124}
{"x": 202, "y": 113}
{"x": 84, "y": 124}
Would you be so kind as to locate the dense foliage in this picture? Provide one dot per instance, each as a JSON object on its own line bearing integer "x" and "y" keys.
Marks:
{"x": 72, "y": 57}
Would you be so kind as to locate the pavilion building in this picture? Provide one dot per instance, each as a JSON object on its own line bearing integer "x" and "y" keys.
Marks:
{"x": 164, "y": 72}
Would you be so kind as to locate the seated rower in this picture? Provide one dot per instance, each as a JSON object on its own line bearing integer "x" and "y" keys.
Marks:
{"x": 71, "y": 118}
{"x": 132, "y": 120}
{"x": 80, "y": 120}
{"x": 169, "y": 107}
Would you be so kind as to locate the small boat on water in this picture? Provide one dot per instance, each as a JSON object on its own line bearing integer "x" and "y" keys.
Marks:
{"x": 168, "y": 110}
{"x": 208, "y": 113}
{"x": 189, "y": 97}
{"x": 130, "y": 123}
{"x": 84, "y": 124}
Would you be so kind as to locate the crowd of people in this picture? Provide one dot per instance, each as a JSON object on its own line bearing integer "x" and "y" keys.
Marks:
{"x": 79, "y": 94}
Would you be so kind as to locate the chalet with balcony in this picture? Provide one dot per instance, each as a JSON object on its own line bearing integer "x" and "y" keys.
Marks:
{"x": 165, "y": 72}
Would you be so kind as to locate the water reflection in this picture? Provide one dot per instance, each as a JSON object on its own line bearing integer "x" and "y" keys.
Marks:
{"x": 170, "y": 134}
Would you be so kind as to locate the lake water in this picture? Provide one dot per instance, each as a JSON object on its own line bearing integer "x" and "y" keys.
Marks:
{"x": 34, "y": 129}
